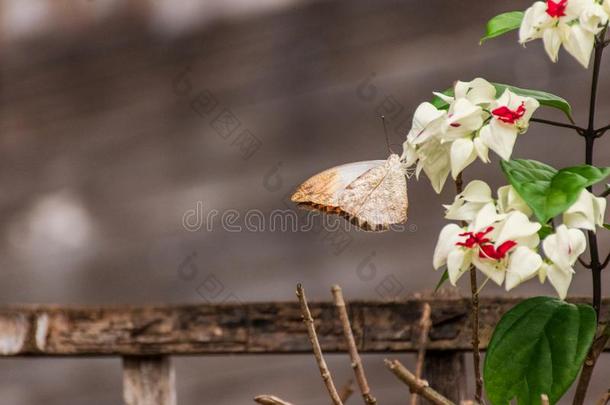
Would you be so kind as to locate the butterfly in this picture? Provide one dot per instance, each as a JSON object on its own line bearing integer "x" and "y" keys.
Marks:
{"x": 371, "y": 195}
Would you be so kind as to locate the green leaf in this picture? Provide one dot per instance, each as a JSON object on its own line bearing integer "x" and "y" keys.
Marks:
{"x": 439, "y": 102}
{"x": 607, "y": 226}
{"x": 538, "y": 347}
{"x": 545, "y": 231}
{"x": 444, "y": 277}
{"x": 501, "y": 24}
{"x": 544, "y": 98}
{"x": 547, "y": 191}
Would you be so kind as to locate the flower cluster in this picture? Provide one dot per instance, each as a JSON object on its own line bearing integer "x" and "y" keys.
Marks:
{"x": 571, "y": 23}
{"x": 447, "y": 141}
{"x": 501, "y": 240}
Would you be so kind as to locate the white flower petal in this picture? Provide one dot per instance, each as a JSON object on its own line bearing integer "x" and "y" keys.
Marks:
{"x": 499, "y": 137}
{"x": 510, "y": 200}
{"x": 534, "y": 19}
{"x": 579, "y": 44}
{"x": 517, "y": 226}
{"x": 477, "y": 91}
{"x": 491, "y": 268}
{"x": 457, "y": 263}
{"x": 564, "y": 246}
{"x": 551, "y": 38}
{"x": 462, "y": 154}
{"x": 477, "y": 191}
{"x": 486, "y": 216}
{"x": 447, "y": 240}
{"x": 559, "y": 279}
{"x": 523, "y": 265}
{"x": 481, "y": 149}
{"x": 582, "y": 214}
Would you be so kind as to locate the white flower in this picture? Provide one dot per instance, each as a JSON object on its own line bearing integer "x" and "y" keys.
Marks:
{"x": 573, "y": 23}
{"x": 586, "y": 213}
{"x": 443, "y": 142}
{"x": 478, "y": 91}
{"x": 562, "y": 250}
{"x": 510, "y": 115}
{"x": 534, "y": 21}
{"x": 498, "y": 245}
{"x": 517, "y": 232}
{"x": 510, "y": 200}
{"x": 463, "y": 120}
{"x": 434, "y": 160}
{"x": 423, "y": 145}
{"x": 467, "y": 204}
{"x": 593, "y": 17}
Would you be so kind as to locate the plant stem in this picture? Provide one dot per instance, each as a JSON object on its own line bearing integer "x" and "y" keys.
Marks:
{"x": 474, "y": 294}
{"x": 558, "y": 124}
{"x": 590, "y": 135}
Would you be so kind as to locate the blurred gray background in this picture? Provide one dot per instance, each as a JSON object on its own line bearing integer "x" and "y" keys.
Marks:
{"x": 118, "y": 119}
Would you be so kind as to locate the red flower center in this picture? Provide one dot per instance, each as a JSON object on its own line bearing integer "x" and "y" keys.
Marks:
{"x": 487, "y": 249}
{"x": 556, "y": 9}
{"x": 490, "y": 252}
{"x": 474, "y": 239}
{"x": 507, "y": 115}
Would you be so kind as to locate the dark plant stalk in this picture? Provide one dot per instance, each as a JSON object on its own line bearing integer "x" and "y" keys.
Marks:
{"x": 474, "y": 293}
{"x": 559, "y": 124}
{"x": 595, "y": 265}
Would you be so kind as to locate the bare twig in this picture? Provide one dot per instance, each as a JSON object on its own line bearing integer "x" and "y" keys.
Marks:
{"x": 424, "y": 329}
{"x": 317, "y": 350}
{"x": 346, "y": 391}
{"x": 270, "y": 400}
{"x": 351, "y": 346}
{"x": 604, "y": 399}
{"x": 544, "y": 399}
{"x": 416, "y": 386}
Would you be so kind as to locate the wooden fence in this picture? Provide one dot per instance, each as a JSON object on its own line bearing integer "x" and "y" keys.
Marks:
{"x": 147, "y": 337}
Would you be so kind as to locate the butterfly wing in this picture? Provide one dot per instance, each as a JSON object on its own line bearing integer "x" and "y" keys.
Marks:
{"x": 370, "y": 194}
{"x": 377, "y": 198}
{"x": 322, "y": 190}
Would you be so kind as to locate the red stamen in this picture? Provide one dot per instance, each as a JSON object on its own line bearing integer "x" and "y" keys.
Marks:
{"x": 507, "y": 115}
{"x": 487, "y": 249}
{"x": 556, "y": 9}
{"x": 475, "y": 238}
{"x": 490, "y": 252}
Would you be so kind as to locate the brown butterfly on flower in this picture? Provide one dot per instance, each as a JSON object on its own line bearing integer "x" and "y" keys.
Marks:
{"x": 371, "y": 194}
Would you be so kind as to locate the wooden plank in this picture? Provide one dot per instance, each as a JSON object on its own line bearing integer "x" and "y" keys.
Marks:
{"x": 240, "y": 328}
{"x": 446, "y": 373}
{"x": 148, "y": 380}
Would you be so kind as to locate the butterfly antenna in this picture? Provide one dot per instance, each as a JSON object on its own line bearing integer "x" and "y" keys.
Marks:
{"x": 387, "y": 138}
